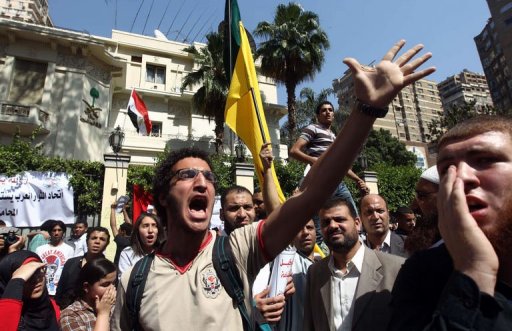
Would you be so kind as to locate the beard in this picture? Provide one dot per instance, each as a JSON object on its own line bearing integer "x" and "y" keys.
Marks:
{"x": 500, "y": 235}
{"x": 343, "y": 245}
{"x": 424, "y": 235}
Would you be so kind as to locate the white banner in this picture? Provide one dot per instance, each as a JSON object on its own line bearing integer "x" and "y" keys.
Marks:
{"x": 31, "y": 197}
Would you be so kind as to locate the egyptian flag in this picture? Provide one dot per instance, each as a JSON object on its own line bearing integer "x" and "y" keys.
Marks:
{"x": 139, "y": 114}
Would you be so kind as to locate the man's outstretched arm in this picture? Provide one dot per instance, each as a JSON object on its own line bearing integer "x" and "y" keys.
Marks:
{"x": 375, "y": 87}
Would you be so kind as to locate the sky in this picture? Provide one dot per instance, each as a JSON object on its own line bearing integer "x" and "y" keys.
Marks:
{"x": 363, "y": 29}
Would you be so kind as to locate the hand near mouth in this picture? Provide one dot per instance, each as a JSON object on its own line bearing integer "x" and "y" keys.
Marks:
{"x": 471, "y": 251}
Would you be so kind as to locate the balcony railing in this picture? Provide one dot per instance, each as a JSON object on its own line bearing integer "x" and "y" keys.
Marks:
{"x": 25, "y": 117}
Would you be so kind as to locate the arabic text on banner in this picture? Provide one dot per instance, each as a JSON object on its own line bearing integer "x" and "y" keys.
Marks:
{"x": 30, "y": 198}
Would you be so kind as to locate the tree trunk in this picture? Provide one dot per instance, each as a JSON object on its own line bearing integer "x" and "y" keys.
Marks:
{"x": 292, "y": 116}
{"x": 219, "y": 137}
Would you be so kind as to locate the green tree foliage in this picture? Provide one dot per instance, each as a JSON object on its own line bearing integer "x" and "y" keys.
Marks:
{"x": 395, "y": 167}
{"x": 382, "y": 147}
{"x": 305, "y": 112}
{"x": 210, "y": 98}
{"x": 86, "y": 177}
{"x": 224, "y": 169}
{"x": 396, "y": 184}
{"x": 457, "y": 114}
{"x": 292, "y": 50}
{"x": 141, "y": 175}
{"x": 289, "y": 175}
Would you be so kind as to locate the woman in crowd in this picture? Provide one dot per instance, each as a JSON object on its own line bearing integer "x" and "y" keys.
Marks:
{"x": 96, "y": 297}
{"x": 25, "y": 303}
{"x": 147, "y": 235}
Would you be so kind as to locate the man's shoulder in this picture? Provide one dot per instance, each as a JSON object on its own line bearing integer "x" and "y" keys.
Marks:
{"x": 74, "y": 260}
{"x": 247, "y": 231}
{"x": 320, "y": 267}
{"x": 388, "y": 259}
{"x": 431, "y": 258}
{"x": 397, "y": 236}
{"x": 65, "y": 246}
{"x": 388, "y": 263}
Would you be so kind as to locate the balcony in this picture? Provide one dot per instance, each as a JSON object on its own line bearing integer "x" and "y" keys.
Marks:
{"x": 26, "y": 118}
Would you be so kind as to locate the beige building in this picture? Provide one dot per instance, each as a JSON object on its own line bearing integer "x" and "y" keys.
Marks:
{"x": 31, "y": 11}
{"x": 75, "y": 87}
{"x": 409, "y": 114}
{"x": 465, "y": 87}
{"x": 494, "y": 46}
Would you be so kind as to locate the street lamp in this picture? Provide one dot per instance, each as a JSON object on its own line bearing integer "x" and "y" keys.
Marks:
{"x": 116, "y": 139}
{"x": 240, "y": 151}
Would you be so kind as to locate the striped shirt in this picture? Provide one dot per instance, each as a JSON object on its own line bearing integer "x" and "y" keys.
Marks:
{"x": 319, "y": 138}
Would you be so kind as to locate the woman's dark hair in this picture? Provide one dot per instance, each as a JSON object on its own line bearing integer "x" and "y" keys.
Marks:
{"x": 47, "y": 225}
{"x": 92, "y": 272}
{"x": 136, "y": 240}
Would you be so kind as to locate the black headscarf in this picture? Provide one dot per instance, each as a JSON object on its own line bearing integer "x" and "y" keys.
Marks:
{"x": 36, "y": 314}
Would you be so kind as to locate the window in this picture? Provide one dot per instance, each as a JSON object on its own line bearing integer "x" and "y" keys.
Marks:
{"x": 155, "y": 74}
{"x": 137, "y": 59}
{"x": 28, "y": 82}
{"x": 156, "y": 129}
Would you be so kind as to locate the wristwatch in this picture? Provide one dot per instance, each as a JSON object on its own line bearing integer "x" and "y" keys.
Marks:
{"x": 370, "y": 110}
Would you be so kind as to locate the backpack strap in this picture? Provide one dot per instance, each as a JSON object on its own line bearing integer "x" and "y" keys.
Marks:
{"x": 135, "y": 288}
{"x": 223, "y": 262}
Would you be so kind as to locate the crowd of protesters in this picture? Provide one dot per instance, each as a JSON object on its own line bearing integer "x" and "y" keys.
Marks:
{"x": 440, "y": 264}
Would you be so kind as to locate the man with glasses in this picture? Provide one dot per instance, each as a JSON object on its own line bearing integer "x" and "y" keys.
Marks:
{"x": 183, "y": 290}
{"x": 425, "y": 234}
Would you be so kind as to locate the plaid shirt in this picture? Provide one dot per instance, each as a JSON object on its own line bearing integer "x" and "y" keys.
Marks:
{"x": 79, "y": 316}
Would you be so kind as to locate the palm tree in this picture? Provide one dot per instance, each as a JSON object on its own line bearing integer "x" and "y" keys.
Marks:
{"x": 210, "y": 98}
{"x": 293, "y": 50}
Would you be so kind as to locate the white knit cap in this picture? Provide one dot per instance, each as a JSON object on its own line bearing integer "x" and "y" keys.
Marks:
{"x": 431, "y": 175}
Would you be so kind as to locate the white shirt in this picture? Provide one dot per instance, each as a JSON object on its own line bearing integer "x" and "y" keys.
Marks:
{"x": 127, "y": 258}
{"x": 386, "y": 245}
{"x": 79, "y": 245}
{"x": 55, "y": 257}
{"x": 344, "y": 287}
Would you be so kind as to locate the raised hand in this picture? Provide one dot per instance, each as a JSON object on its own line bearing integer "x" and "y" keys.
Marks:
{"x": 377, "y": 86}
{"x": 266, "y": 156}
{"x": 27, "y": 270}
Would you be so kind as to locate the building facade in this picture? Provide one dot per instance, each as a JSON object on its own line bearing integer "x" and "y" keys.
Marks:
{"x": 31, "y": 11}
{"x": 75, "y": 88}
{"x": 465, "y": 87}
{"x": 409, "y": 113}
{"x": 494, "y": 46}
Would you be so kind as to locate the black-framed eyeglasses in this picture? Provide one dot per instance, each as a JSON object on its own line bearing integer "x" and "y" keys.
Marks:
{"x": 423, "y": 194}
{"x": 191, "y": 173}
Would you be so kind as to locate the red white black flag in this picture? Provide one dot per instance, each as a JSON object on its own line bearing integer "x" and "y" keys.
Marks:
{"x": 139, "y": 114}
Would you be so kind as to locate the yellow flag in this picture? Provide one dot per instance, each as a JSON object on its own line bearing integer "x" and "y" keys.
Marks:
{"x": 244, "y": 110}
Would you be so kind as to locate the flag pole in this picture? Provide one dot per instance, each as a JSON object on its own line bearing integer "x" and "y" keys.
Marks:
{"x": 263, "y": 136}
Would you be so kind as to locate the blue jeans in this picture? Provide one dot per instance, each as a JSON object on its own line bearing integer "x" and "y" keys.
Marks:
{"x": 340, "y": 192}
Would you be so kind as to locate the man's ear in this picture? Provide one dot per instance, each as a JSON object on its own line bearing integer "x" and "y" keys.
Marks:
{"x": 86, "y": 287}
{"x": 358, "y": 223}
{"x": 221, "y": 214}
